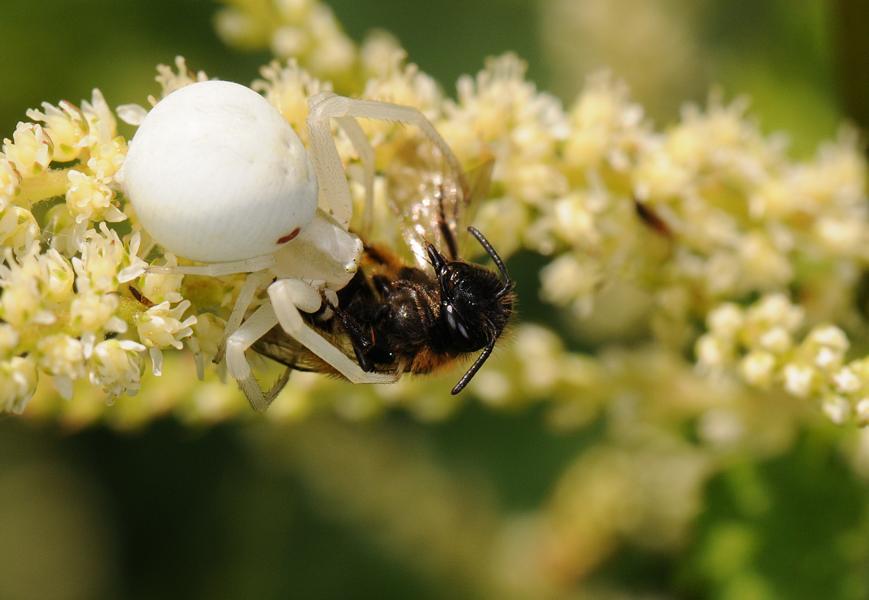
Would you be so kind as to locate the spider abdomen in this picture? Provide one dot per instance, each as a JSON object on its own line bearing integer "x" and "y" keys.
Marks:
{"x": 216, "y": 174}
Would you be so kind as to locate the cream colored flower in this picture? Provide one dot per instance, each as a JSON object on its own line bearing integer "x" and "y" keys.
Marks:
{"x": 570, "y": 280}
{"x": 826, "y": 346}
{"x": 501, "y": 219}
{"x": 844, "y": 236}
{"x": 62, "y": 356}
{"x": 66, "y": 234}
{"x": 290, "y": 41}
{"x": 659, "y": 177}
{"x": 772, "y": 310}
{"x": 163, "y": 287}
{"x": 846, "y": 381}
{"x": 57, "y": 277}
{"x": 543, "y": 367}
{"x": 240, "y": 28}
{"x": 758, "y": 368}
{"x": 725, "y": 320}
{"x": 606, "y": 126}
{"x": 764, "y": 267}
{"x": 90, "y": 199}
{"x": 116, "y": 366}
{"x": 837, "y": 408}
{"x": 8, "y": 339}
{"x": 332, "y": 52}
{"x": 19, "y": 230}
{"x": 394, "y": 80}
{"x": 288, "y": 89}
{"x": 713, "y": 353}
{"x": 21, "y": 303}
{"x": 18, "y": 378}
{"x": 208, "y": 335}
{"x": 9, "y": 182}
{"x": 161, "y": 326}
{"x": 65, "y": 125}
{"x": 520, "y": 126}
{"x": 574, "y": 220}
{"x": 170, "y": 80}
{"x": 107, "y": 149}
{"x": 30, "y": 149}
{"x": 799, "y": 379}
{"x": 776, "y": 339}
{"x": 105, "y": 261}
{"x": 92, "y": 312}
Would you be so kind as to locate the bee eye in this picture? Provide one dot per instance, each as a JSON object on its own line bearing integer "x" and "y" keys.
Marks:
{"x": 455, "y": 322}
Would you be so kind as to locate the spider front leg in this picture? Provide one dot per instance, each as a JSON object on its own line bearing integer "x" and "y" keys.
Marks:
{"x": 288, "y": 297}
{"x": 334, "y": 192}
{"x": 245, "y": 298}
{"x": 256, "y": 326}
{"x": 220, "y": 269}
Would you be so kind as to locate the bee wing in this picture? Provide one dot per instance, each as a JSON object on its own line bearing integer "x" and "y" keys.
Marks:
{"x": 479, "y": 183}
{"x": 433, "y": 205}
{"x": 282, "y": 348}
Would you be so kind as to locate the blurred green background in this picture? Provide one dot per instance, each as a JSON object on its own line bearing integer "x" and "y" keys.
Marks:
{"x": 239, "y": 510}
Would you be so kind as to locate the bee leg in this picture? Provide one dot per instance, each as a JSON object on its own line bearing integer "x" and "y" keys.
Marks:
{"x": 361, "y": 344}
{"x": 288, "y": 297}
{"x": 381, "y": 284}
{"x": 242, "y": 303}
{"x": 279, "y": 385}
{"x": 256, "y": 326}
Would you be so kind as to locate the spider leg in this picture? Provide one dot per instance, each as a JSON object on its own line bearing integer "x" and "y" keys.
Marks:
{"x": 335, "y": 197}
{"x": 288, "y": 297}
{"x": 256, "y": 326}
{"x": 335, "y": 194}
{"x": 366, "y": 156}
{"x": 245, "y": 297}
{"x": 250, "y": 265}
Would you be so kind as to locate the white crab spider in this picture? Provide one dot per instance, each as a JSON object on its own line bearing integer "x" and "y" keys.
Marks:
{"x": 217, "y": 175}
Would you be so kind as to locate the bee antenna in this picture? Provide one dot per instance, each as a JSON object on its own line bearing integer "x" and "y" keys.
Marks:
{"x": 508, "y": 283}
{"x": 469, "y": 374}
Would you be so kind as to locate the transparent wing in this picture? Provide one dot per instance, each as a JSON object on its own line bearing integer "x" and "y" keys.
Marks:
{"x": 434, "y": 204}
{"x": 280, "y": 347}
{"x": 479, "y": 183}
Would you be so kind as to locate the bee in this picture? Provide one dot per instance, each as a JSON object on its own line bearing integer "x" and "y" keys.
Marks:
{"x": 394, "y": 317}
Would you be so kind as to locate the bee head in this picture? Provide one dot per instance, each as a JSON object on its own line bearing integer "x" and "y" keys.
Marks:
{"x": 476, "y": 304}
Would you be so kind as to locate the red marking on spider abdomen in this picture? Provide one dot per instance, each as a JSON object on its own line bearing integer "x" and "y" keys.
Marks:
{"x": 286, "y": 238}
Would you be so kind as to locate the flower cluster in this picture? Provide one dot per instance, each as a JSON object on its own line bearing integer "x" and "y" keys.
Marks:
{"x": 69, "y": 278}
{"x": 759, "y": 342}
{"x": 302, "y": 29}
{"x": 644, "y": 232}
{"x": 714, "y": 279}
